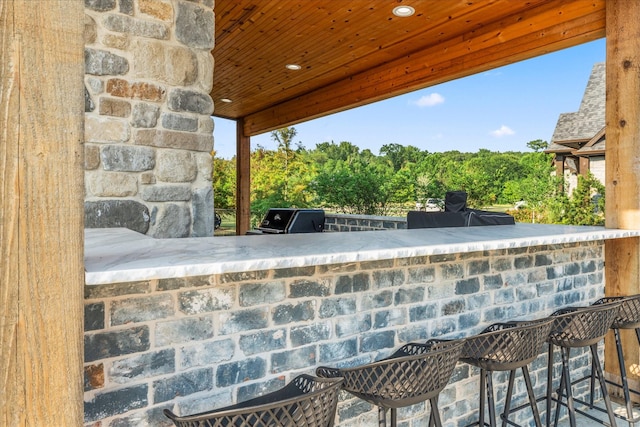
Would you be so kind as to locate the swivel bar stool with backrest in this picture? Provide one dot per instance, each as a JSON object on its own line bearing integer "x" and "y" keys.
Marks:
{"x": 306, "y": 401}
{"x": 576, "y": 327}
{"x": 628, "y": 318}
{"x": 413, "y": 374}
{"x": 506, "y": 347}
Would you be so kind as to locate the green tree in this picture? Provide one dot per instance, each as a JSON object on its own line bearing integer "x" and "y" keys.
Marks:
{"x": 401, "y": 186}
{"x": 350, "y": 188}
{"x": 330, "y": 151}
{"x": 399, "y": 155}
{"x": 224, "y": 183}
{"x": 344, "y": 178}
{"x": 538, "y": 145}
{"x": 427, "y": 187}
{"x": 537, "y": 187}
{"x": 280, "y": 178}
{"x": 285, "y": 155}
{"x": 586, "y": 204}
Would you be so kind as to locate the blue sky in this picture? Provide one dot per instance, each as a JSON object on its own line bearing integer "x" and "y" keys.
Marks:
{"x": 500, "y": 110}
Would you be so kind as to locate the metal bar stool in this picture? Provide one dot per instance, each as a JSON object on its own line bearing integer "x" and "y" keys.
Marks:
{"x": 506, "y": 347}
{"x": 576, "y": 327}
{"x": 628, "y": 318}
{"x": 414, "y": 373}
{"x": 306, "y": 401}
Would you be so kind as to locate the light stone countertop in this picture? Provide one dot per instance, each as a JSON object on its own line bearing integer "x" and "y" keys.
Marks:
{"x": 121, "y": 255}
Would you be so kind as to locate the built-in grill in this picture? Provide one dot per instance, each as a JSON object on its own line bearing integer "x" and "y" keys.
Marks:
{"x": 289, "y": 221}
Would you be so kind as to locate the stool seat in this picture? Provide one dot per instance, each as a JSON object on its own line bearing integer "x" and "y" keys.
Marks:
{"x": 629, "y": 314}
{"x": 576, "y": 327}
{"x": 506, "y": 347}
{"x": 582, "y": 326}
{"x": 628, "y": 318}
{"x": 414, "y": 373}
{"x": 306, "y": 401}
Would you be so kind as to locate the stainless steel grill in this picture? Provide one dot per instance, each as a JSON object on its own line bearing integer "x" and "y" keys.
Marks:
{"x": 290, "y": 221}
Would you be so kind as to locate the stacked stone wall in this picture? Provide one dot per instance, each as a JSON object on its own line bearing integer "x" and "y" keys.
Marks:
{"x": 148, "y": 127}
{"x": 347, "y": 223}
{"x": 196, "y": 343}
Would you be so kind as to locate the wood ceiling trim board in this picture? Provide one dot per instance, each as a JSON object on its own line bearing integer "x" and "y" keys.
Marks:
{"x": 510, "y": 29}
{"x": 381, "y": 83}
{"x": 547, "y": 15}
{"x": 585, "y": 28}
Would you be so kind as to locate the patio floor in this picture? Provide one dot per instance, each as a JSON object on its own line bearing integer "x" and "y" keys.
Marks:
{"x": 583, "y": 421}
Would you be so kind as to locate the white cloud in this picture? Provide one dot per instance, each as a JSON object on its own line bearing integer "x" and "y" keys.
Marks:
{"x": 429, "y": 100}
{"x": 503, "y": 131}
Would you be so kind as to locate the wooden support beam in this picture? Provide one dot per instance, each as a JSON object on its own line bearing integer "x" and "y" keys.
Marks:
{"x": 622, "y": 174}
{"x": 243, "y": 179}
{"x": 559, "y": 24}
{"x": 41, "y": 212}
{"x": 583, "y": 165}
{"x": 559, "y": 163}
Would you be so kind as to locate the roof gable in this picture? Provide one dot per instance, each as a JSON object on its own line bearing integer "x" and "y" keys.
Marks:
{"x": 589, "y": 119}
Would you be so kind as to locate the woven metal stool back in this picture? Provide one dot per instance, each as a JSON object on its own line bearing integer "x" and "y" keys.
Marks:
{"x": 582, "y": 326}
{"x": 414, "y": 373}
{"x": 629, "y": 315}
{"x": 306, "y": 401}
{"x": 506, "y": 346}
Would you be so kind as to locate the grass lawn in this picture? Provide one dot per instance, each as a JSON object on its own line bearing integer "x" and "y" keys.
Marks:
{"x": 497, "y": 208}
{"x": 228, "y": 226}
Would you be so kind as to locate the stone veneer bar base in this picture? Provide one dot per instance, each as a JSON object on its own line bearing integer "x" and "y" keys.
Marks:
{"x": 192, "y": 344}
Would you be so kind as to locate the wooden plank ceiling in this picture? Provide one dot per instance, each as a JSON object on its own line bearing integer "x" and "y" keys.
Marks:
{"x": 354, "y": 52}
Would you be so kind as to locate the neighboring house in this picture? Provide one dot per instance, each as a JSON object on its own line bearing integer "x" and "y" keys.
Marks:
{"x": 578, "y": 140}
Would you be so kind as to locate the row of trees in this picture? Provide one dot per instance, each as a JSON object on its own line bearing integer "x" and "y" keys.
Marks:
{"x": 343, "y": 178}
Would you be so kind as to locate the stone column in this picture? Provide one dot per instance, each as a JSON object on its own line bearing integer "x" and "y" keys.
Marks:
{"x": 148, "y": 130}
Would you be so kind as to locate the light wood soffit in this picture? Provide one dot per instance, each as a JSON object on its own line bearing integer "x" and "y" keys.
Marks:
{"x": 356, "y": 52}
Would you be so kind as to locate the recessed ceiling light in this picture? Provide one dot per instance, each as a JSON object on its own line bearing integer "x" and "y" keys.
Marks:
{"x": 403, "y": 11}
{"x": 293, "y": 67}
{"x": 227, "y": 100}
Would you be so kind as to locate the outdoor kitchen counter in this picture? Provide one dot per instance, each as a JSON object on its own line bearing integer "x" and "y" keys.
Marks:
{"x": 121, "y": 255}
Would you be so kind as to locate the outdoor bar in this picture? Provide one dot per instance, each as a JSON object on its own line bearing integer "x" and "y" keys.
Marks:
{"x": 106, "y": 114}
{"x": 198, "y": 323}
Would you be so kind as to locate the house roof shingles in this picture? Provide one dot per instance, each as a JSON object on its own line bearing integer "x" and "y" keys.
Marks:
{"x": 589, "y": 119}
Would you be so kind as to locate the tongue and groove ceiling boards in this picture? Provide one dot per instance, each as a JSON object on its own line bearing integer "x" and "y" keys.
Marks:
{"x": 354, "y": 52}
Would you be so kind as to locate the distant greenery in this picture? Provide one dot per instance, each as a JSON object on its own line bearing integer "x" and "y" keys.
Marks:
{"x": 342, "y": 178}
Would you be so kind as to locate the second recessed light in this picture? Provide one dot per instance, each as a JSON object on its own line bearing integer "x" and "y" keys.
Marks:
{"x": 293, "y": 67}
{"x": 403, "y": 11}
